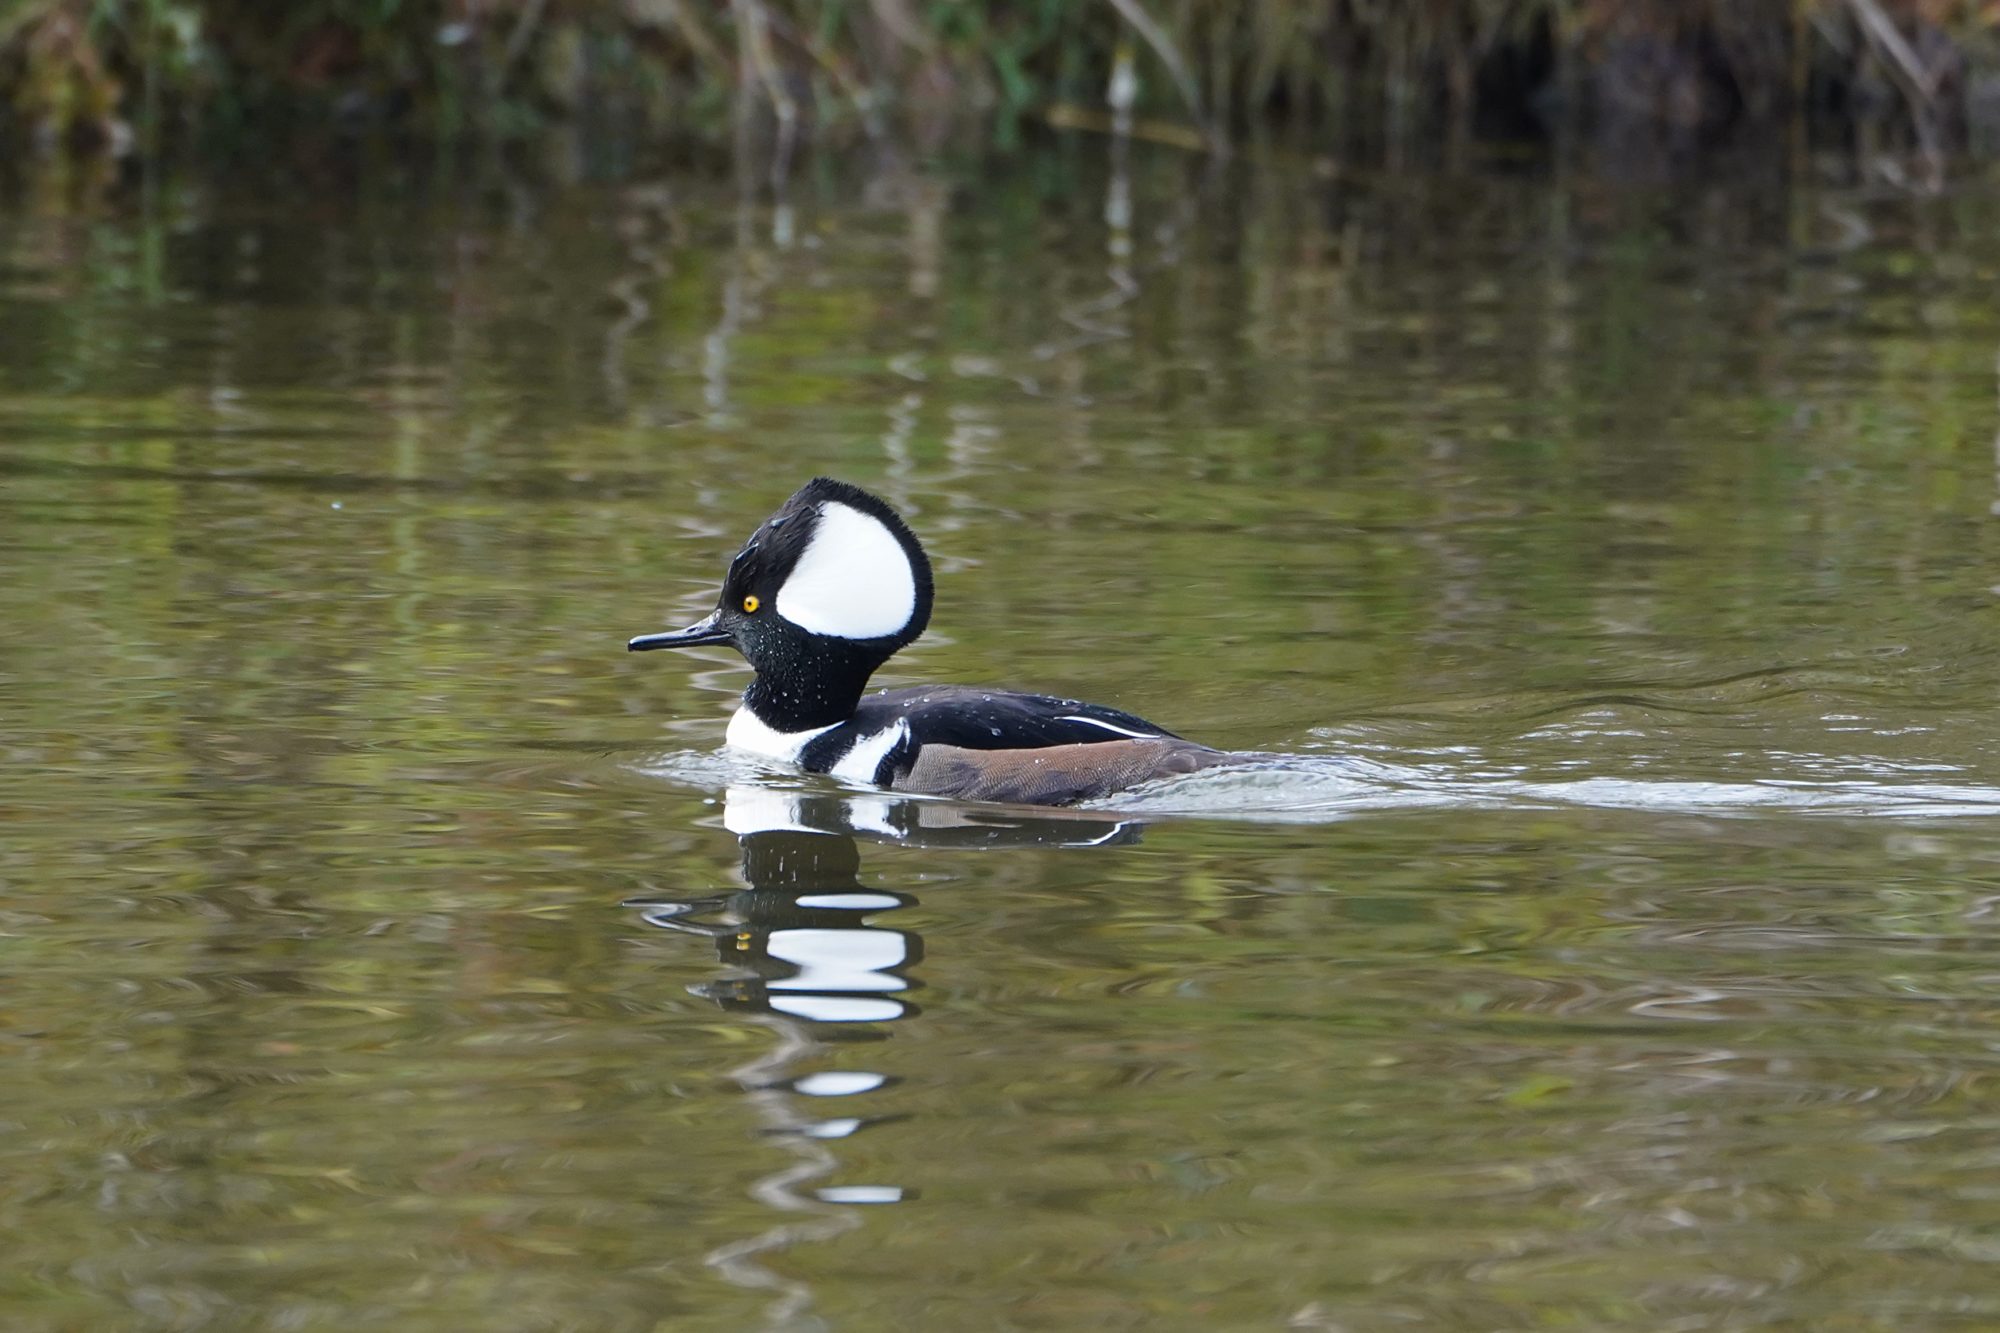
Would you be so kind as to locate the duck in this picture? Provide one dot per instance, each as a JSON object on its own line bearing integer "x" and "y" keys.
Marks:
{"x": 826, "y": 591}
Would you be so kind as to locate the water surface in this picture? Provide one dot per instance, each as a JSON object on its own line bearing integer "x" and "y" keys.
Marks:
{"x": 386, "y": 947}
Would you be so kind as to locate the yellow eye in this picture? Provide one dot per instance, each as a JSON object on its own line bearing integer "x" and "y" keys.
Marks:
{"x": 751, "y": 603}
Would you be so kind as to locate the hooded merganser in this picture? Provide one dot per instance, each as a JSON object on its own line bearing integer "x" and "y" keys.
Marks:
{"x": 830, "y": 588}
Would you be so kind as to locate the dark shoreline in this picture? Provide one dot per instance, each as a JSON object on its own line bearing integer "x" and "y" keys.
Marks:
{"x": 1650, "y": 84}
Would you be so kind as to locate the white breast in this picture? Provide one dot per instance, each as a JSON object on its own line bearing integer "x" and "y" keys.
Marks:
{"x": 749, "y": 732}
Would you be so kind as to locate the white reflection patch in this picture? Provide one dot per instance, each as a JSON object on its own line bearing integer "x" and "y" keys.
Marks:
{"x": 861, "y": 1193}
{"x": 833, "y": 1129}
{"x": 839, "y": 1083}
{"x": 838, "y": 1008}
{"x": 840, "y": 960}
{"x": 849, "y": 902}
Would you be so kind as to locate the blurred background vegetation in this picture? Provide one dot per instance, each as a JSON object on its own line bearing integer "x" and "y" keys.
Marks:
{"x": 1366, "y": 77}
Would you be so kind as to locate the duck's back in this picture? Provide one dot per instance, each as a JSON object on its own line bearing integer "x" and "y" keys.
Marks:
{"x": 997, "y": 745}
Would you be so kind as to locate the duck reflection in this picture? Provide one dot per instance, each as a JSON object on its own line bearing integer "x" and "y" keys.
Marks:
{"x": 809, "y": 953}
{"x": 807, "y": 946}
{"x": 800, "y": 941}
{"x": 804, "y": 940}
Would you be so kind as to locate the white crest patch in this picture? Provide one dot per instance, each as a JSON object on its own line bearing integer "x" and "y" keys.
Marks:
{"x": 854, "y": 580}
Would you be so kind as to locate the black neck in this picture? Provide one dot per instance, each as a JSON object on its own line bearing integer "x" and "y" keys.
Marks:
{"x": 796, "y": 695}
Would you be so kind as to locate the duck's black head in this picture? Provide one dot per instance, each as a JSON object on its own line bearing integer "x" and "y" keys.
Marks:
{"x": 825, "y": 591}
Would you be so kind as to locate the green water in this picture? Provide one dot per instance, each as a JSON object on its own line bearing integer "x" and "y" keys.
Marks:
{"x": 384, "y": 947}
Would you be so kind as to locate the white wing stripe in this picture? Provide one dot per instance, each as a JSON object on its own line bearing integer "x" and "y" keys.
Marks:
{"x": 1122, "y": 731}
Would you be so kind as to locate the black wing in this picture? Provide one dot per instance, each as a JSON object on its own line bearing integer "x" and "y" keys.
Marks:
{"x": 975, "y": 719}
